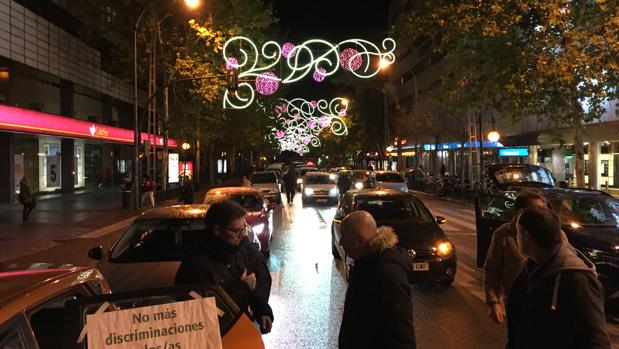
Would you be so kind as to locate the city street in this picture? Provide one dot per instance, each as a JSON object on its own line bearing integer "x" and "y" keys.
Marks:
{"x": 309, "y": 288}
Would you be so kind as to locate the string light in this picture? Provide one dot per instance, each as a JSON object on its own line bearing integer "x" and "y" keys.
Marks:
{"x": 267, "y": 83}
{"x": 288, "y": 50}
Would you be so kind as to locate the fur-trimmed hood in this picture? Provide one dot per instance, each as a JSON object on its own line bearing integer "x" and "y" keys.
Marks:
{"x": 385, "y": 238}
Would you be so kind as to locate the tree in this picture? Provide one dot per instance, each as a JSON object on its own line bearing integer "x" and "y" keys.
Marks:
{"x": 547, "y": 58}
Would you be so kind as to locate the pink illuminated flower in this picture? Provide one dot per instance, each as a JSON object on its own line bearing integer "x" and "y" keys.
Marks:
{"x": 319, "y": 74}
{"x": 279, "y": 134}
{"x": 306, "y": 139}
{"x": 312, "y": 124}
{"x": 313, "y": 104}
{"x": 324, "y": 121}
{"x": 287, "y": 50}
{"x": 267, "y": 83}
{"x": 350, "y": 59}
{"x": 231, "y": 63}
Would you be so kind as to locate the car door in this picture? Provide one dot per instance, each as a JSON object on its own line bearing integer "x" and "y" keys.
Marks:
{"x": 491, "y": 211}
{"x": 16, "y": 334}
{"x": 236, "y": 329}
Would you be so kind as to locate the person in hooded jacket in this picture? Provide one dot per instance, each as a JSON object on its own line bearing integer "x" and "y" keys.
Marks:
{"x": 557, "y": 300}
{"x": 219, "y": 257}
{"x": 378, "y": 310}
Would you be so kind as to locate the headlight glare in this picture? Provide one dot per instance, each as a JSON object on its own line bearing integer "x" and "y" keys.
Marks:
{"x": 444, "y": 249}
{"x": 299, "y": 180}
{"x": 333, "y": 192}
{"x": 359, "y": 185}
{"x": 309, "y": 191}
{"x": 257, "y": 229}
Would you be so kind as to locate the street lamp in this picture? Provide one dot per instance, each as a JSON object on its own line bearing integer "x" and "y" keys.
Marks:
{"x": 389, "y": 149}
{"x": 186, "y": 146}
{"x": 192, "y": 4}
{"x": 494, "y": 136}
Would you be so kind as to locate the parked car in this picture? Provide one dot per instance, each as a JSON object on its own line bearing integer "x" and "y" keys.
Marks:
{"x": 259, "y": 211}
{"x": 419, "y": 233}
{"x": 269, "y": 185}
{"x": 389, "y": 180}
{"x": 318, "y": 187}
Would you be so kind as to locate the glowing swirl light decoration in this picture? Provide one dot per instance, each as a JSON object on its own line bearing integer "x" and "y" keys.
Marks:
{"x": 300, "y": 122}
{"x": 316, "y": 58}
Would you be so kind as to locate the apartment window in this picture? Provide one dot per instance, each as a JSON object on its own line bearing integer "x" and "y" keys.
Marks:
{"x": 604, "y": 164}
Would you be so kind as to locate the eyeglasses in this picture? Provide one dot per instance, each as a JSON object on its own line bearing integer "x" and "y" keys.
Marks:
{"x": 236, "y": 231}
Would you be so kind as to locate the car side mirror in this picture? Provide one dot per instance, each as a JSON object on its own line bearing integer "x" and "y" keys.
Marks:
{"x": 271, "y": 206}
{"x": 96, "y": 253}
{"x": 440, "y": 219}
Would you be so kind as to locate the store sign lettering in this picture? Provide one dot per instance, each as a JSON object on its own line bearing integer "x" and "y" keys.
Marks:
{"x": 99, "y": 131}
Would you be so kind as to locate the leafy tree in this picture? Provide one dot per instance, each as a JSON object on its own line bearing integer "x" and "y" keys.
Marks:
{"x": 555, "y": 59}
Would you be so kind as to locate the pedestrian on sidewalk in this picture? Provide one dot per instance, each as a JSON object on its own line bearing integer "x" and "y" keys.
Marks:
{"x": 378, "y": 310}
{"x": 218, "y": 257}
{"x": 504, "y": 259}
{"x": 246, "y": 182}
{"x": 148, "y": 191}
{"x": 557, "y": 299}
{"x": 187, "y": 191}
{"x": 290, "y": 184}
{"x": 26, "y": 198}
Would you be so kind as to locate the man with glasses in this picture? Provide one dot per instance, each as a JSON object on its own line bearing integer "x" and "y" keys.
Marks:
{"x": 219, "y": 257}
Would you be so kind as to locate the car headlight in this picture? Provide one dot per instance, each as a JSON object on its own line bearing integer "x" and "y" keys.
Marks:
{"x": 309, "y": 191}
{"x": 359, "y": 185}
{"x": 405, "y": 189}
{"x": 444, "y": 249}
{"x": 333, "y": 192}
{"x": 257, "y": 229}
{"x": 332, "y": 176}
{"x": 299, "y": 180}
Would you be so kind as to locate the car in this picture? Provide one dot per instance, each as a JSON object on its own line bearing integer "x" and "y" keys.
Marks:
{"x": 434, "y": 255}
{"x": 43, "y": 306}
{"x": 269, "y": 185}
{"x": 148, "y": 253}
{"x": 361, "y": 179}
{"x": 301, "y": 171}
{"x": 259, "y": 211}
{"x": 389, "y": 180}
{"x": 589, "y": 218}
{"x": 318, "y": 187}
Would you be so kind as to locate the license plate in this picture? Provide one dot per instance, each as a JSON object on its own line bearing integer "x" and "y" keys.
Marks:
{"x": 321, "y": 200}
{"x": 421, "y": 266}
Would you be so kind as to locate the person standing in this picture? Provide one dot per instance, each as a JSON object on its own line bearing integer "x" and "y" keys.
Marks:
{"x": 148, "y": 191}
{"x": 218, "y": 257}
{"x": 343, "y": 183}
{"x": 504, "y": 258}
{"x": 557, "y": 298}
{"x": 290, "y": 183}
{"x": 378, "y": 310}
{"x": 26, "y": 198}
{"x": 187, "y": 191}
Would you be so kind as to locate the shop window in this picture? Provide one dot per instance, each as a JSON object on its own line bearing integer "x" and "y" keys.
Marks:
{"x": 4, "y": 84}
{"x": 586, "y": 167}
{"x": 604, "y": 164}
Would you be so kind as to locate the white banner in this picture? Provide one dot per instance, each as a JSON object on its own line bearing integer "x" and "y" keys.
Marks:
{"x": 53, "y": 171}
{"x": 19, "y": 170}
{"x": 173, "y": 168}
{"x": 181, "y": 325}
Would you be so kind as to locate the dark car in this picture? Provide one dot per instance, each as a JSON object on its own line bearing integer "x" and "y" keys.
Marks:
{"x": 361, "y": 179}
{"x": 590, "y": 219}
{"x": 419, "y": 232}
{"x": 493, "y": 203}
{"x": 259, "y": 210}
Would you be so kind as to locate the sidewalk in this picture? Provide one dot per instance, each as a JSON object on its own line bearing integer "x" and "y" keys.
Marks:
{"x": 57, "y": 220}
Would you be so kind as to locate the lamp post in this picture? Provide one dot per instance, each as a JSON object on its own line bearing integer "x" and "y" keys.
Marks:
{"x": 192, "y": 4}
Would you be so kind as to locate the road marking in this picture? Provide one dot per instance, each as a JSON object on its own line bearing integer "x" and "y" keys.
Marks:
{"x": 460, "y": 222}
{"x": 107, "y": 229}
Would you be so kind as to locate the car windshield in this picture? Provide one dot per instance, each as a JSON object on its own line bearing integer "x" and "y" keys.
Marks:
{"x": 524, "y": 175}
{"x": 389, "y": 177}
{"x": 263, "y": 178}
{"x": 363, "y": 175}
{"x": 157, "y": 240}
{"x": 321, "y": 179}
{"x": 384, "y": 208}
{"x": 250, "y": 202}
{"x": 587, "y": 210}
{"x": 303, "y": 171}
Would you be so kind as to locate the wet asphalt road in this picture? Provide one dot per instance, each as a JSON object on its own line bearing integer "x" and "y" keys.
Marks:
{"x": 309, "y": 287}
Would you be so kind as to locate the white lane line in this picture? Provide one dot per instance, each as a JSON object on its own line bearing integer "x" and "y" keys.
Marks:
{"x": 107, "y": 229}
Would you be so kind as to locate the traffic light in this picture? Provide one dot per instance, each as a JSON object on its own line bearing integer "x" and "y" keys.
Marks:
{"x": 233, "y": 81}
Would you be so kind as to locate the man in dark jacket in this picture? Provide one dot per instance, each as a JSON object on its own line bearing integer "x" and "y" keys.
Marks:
{"x": 218, "y": 257}
{"x": 290, "y": 184}
{"x": 557, "y": 300}
{"x": 343, "y": 183}
{"x": 378, "y": 311}
{"x": 187, "y": 191}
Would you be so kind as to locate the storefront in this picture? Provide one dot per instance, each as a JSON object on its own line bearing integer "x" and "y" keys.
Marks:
{"x": 60, "y": 154}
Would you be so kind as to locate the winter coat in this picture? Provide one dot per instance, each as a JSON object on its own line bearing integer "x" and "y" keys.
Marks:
{"x": 211, "y": 261}
{"x": 343, "y": 183}
{"x": 26, "y": 197}
{"x": 260, "y": 297}
{"x": 378, "y": 310}
{"x": 558, "y": 304}
{"x": 290, "y": 180}
{"x": 503, "y": 263}
{"x": 187, "y": 193}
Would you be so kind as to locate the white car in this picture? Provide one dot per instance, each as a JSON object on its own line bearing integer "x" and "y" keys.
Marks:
{"x": 318, "y": 187}
{"x": 268, "y": 184}
{"x": 389, "y": 180}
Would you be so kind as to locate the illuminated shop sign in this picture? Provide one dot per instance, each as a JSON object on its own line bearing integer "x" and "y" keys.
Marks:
{"x": 30, "y": 121}
{"x": 514, "y": 152}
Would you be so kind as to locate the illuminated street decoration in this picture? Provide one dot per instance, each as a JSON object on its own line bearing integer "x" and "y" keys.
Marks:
{"x": 300, "y": 122}
{"x": 318, "y": 58}
{"x": 231, "y": 63}
{"x": 267, "y": 83}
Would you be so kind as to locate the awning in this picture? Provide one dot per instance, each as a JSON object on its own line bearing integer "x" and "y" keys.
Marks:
{"x": 602, "y": 131}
